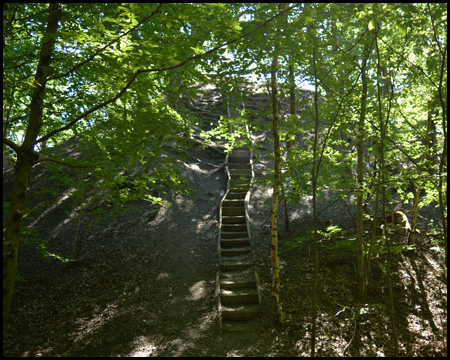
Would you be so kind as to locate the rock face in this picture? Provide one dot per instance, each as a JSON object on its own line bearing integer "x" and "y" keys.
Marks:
{"x": 237, "y": 284}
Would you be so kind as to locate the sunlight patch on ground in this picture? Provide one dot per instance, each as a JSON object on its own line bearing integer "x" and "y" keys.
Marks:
{"x": 196, "y": 168}
{"x": 433, "y": 263}
{"x": 143, "y": 347}
{"x": 163, "y": 276}
{"x": 206, "y": 217}
{"x": 207, "y": 320}
{"x": 89, "y": 325}
{"x": 179, "y": 346}
{"x": 201, "y": 226}
{"x": 63, "y": 198}
{"x": 198, "y": 290}
{"x": 183, "y": 203}
{"x": 194, "y": 331}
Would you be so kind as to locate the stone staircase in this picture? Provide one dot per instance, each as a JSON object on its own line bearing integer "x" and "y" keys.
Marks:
{"x": 237, "y": 284}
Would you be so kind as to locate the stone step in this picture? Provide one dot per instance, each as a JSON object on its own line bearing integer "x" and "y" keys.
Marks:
{"x": 233, "y": 251}
{"x": 233, "y": 203}
{"x": 237, "y": 262}
{"x": 240, "y": 172}
{"x": 235, "y": 265}
{"x": 230, "y": 243}
{"x": 238, "y": 258}
{"x": 234, "y": 227}
{"x": 243, "y": 283}
{"x": 239, "y": 166}
{"x": 246, "y": 179}
{"x": 240, "y": 183}
{"x": 233, "y": 219}
{"x": 242, "y": 179}
{"x": 239, "y": 159}
{"x": 238, "y": 312}
{"x": 237, "y": 275}
{"x": 234, "y": 296}
{"x": 233, "y": 235}
{"x": 238, "y": 187}
{"x": 233, "y": 211}
{"x": 241, "y": 152}
{"x": 236, "y": 194}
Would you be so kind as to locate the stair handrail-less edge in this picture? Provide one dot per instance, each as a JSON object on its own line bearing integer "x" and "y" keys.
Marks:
{"x": 239, "y": 167}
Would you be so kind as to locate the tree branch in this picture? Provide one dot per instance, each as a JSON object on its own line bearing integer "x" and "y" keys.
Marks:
{"x": 417, "y": 66}
{"x": 11, "y": 144}
{"x": 112, "y": 160}
{"x": 106, "y": 46}
{"x": 434, "y": 29}
{"x": 138, "y": 72}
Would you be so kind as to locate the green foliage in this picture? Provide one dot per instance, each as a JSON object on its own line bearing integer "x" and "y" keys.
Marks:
{"x": 332, "y": 237}
{"x": 114, "y": 89}
{"x": 235, "y": 138}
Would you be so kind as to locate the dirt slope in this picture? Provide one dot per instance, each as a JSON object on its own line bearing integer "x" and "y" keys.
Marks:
{"x": 144, "y": 285}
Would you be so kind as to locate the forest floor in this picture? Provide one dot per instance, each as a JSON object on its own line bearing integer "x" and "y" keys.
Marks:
{"x": 144, "y": 282}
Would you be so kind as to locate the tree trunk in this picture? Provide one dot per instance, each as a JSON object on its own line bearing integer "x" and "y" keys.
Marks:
{"x": 293, "y": 107}
{"x": 427, "y": 163}
{"x": 276, "y": 283}
{"x": 286, "y": 210}
{"x": 13, "y": 229}
{"x": 411, "y": 238}
{"x": 276, "y": 194}
{"x": 290, "y": 135}
{"x": 315, "y": 173}
{"x": 383, "y": 195}
{"x": 361, "y": 279}
{"x": 26, "y": 157}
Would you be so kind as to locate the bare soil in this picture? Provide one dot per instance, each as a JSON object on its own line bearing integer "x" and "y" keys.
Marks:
{"x": 144, "y": 282}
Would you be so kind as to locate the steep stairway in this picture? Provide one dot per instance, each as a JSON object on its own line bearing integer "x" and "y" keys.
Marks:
{"x": 237, "y": 284}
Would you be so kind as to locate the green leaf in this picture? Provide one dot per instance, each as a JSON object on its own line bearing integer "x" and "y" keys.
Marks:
{"x": 371, "y": 24}
{"x": 197, "y": 50}
{"x": 46, "y": 37}
{"x": 308, "y": 19}
{"x": 192, "y": 92}
{"x": 236, "y": 26}
{"x": 402, "y": 30}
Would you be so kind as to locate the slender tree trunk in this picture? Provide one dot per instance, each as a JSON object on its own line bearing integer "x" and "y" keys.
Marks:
{"x": 372, "y": 237}
{"x": 383, "y": 192}
{"x": 426, "y": 163}
{"x": 411, "y": 237}
{"x": 12, "y": 232}
{"x": 276, "y": 194}
{"x": 290, "y": 135}
{"x": 443, "y": 161}
{"x": 315, "y": 172}
{"x": 26, "y": 157}
{"x": 293, "y": 107}
{"x": 276, "y": 283}
{"x": 286, "y": 209}
{"x": 361, "y": 279}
